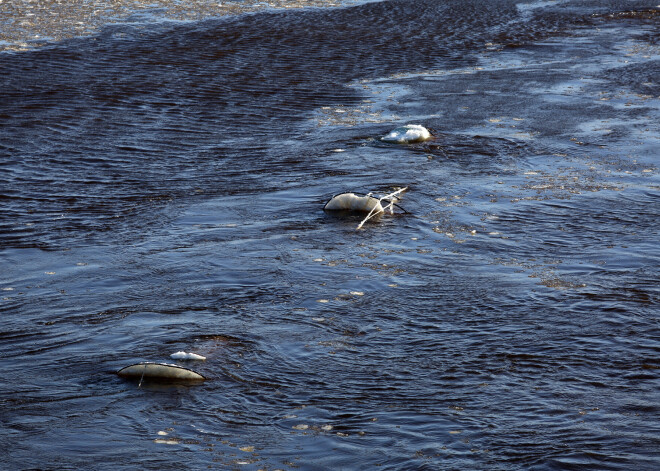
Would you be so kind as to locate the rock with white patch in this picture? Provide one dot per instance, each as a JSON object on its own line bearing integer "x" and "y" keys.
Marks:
{"x": 407, "y": 134}
{"x": 353, "y": 202}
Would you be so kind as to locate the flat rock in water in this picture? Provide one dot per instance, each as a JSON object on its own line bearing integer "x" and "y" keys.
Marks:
{"x": 160, "y": 372}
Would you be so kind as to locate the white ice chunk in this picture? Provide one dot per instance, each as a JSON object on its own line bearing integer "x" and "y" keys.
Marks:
{"x": 186, "y": 356}
{"x": 407, "y": 134}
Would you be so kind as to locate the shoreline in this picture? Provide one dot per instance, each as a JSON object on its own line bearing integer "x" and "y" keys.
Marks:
{"x": 32, "y": 24}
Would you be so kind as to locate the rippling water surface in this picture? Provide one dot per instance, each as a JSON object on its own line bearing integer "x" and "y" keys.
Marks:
{"x": 161, "y": 189}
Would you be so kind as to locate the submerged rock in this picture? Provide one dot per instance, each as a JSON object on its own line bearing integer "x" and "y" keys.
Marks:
{"x": 160, "y": 372}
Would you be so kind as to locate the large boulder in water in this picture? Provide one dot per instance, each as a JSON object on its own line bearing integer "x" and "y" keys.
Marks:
{"x": 353, "y": 202}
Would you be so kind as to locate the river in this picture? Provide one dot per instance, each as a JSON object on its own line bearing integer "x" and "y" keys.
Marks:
{"x": 163, "y": 174}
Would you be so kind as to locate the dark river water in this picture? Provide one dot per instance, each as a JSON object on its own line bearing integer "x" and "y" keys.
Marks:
{"x": 162, "y": 187}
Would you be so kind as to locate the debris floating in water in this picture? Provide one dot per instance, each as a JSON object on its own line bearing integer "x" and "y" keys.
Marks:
{"x": 181, "y": 355}
{"x": 159, "y": 372}
{"x": 391, "y": 199}
{"x": 407, "y": 134}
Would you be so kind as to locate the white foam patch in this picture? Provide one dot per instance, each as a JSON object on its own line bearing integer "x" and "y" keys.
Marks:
{"x": 527, "y": 8}
{"x": 170, "y": 441}
{"x": 353, "y": 202}
{"x": 186, "y": 356}
{"x": 407, "y": 134}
